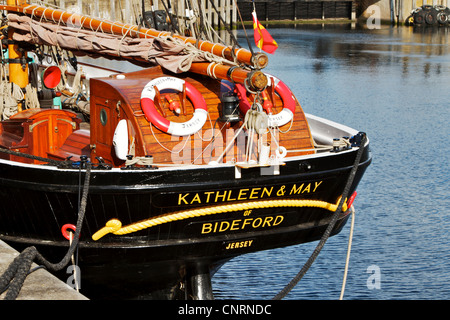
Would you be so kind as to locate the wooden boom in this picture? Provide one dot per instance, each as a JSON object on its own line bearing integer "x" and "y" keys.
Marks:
{"x": 259, "y": 60}
{"x": 256, "y": 80}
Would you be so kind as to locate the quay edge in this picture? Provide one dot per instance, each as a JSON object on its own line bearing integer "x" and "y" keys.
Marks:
{"x": 39, "y": 285}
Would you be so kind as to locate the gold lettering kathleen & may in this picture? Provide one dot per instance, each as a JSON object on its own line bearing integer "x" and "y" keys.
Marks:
{"x": 206, "y": 197}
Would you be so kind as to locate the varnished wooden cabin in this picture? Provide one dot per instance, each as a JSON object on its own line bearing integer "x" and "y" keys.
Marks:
{"x": 115, "y": 98}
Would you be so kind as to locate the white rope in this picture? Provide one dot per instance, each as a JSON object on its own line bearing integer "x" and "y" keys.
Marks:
{"x": 192, "y": 52}
{"x": 211, "y": 141}
{"x": 63, "y": 81}
{"x": 211, "y": 126}
{"x": 77, "y": 87}
{"x": 312, "y": 149}
{"x": 234, "y": 138}
{"x": 348, "y": 253}
{"x": 31, "y": 97}
{"x": 11, "y": 95}
{"x": 75, "y": 275}
{"x": 164, "y": 147}
{"x": 341, "y": 143}
{"x": 290, "y": 126}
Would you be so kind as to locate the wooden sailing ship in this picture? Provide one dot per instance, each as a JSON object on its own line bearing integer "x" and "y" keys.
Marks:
{"x": 195, "y": 159}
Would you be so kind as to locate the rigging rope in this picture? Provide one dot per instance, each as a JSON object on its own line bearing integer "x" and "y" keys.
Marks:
{"x": 233, "y": 38}
{"x": 11, "y": 94}
{"x": 330, "y": 227}
{"x": 243, "y": 27}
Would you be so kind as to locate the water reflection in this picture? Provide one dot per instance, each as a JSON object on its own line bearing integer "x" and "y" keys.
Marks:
{"x": 421, "y": 51}
{"x": 352, "y": 46}
{"x": 393, "y": 84}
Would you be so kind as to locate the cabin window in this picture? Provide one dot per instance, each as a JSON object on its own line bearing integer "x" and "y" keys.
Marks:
{"x": 103, "y": 117}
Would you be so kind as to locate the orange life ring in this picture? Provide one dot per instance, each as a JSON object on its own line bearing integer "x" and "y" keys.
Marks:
{"x": 275, "y": 120}
{"x": 175, "y": 128}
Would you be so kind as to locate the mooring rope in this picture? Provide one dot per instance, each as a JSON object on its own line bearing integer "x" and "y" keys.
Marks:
{"x": 347, "y": 260}
{"x": 16, "y": 273}
{"x": 330, "y": 227}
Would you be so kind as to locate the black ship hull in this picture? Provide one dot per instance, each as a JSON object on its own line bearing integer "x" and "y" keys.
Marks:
{"x": 263, "y": 211}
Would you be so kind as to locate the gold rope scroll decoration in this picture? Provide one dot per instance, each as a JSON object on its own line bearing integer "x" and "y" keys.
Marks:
{"x": 115, "y": 226}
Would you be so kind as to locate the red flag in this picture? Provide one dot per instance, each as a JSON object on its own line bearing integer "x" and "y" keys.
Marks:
{"x": 263, "y": 39}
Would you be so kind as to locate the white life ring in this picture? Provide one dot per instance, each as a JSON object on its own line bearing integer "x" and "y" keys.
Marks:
{"x": 175, "y": 128}
{"x": 275, "y": 120}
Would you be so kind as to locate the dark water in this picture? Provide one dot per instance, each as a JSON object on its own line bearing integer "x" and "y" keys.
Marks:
{"x": 394, "y": 84}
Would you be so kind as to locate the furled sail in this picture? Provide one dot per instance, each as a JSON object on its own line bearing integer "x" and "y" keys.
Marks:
{"x": 169, "y": 52}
